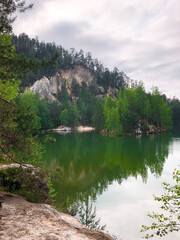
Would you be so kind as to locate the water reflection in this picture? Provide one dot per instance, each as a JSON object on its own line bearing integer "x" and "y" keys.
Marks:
{"x": 90, "y": 162}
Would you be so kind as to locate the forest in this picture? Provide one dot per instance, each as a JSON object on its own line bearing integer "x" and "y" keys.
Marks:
{"x": 24, "y": 60}
{"x": 115, "y": 104}
{"x": 121, "y": 111}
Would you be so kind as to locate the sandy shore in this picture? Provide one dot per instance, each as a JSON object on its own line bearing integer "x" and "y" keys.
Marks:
{"x": 64, "y": 129}
{"x": 84, "y": 129}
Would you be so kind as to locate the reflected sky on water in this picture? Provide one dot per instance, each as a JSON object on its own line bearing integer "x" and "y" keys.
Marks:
{"x": 119, "y": 175}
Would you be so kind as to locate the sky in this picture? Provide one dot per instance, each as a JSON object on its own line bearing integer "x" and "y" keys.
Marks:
{"x": 139, "y": 37}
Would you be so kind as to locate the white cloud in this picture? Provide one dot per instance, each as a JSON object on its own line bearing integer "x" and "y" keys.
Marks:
{"x": 139, "y": 37}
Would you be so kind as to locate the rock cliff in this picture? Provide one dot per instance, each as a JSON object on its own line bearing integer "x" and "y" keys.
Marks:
{"x": 23, "y": 220}
{"x": 48, "y": 88}
{"x": 79, "y": 73}
{"x": 43, "y": 88}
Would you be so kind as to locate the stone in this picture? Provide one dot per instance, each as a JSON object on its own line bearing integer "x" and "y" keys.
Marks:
{"x": 80, "y": 73}
{"x": 23, "y": 220}
{"x": 49, "y": 88}
{"x": 55, "y": 83}
{"x": 42, "y": 88}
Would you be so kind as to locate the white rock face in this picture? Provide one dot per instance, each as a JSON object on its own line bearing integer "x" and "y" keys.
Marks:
{"x": 45, "y": 88}
{"x": 55, "y": 83}
{"x": 23, "y": 220}
{"x": 42, "y": 88}
{"x": 79, "y": 73}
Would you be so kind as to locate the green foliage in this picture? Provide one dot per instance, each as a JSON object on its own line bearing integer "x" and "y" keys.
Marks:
{"x": 125, "y": 95}
{"x": 29, "y": 107}
{"x": 44, "y": 114}
{"x": 54, "y": 109}
{"x": 64, "y": 117}
{"x": 133, "y": 102}
{"x": 9, "y": 82}
{"x": 63, "y": 95}
{"x": 98, "y": 117}
{"x": 25, "y": 183}
{"x": 73, "y": 116}
{"x": 161, "y": 113}
{"x": 63, "y": 59}
{"x": 140, "y": 100}
{"x": 18, "y": 115}
{"x": 175, "y": 106}
{"x": 169, "y": 220}
{"x": 111, "y": 113}
{"x": 75, "y": 87}
{"x": 52, "y": 192}
{"x": 133, "y": 105}
{"x": 148, "y": 110}
{"x": 86, "y": 105}
{"x": 7, "y": 9}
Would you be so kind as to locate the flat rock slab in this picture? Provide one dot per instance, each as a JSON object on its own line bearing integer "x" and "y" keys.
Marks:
{"x": 23, "y": 220}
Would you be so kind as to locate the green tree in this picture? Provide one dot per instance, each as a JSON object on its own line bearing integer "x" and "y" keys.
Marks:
{"x": 82, "y": 107}
{"x": 165, "y": 116}
{"x": 9, "y": 81}
{"x": 17, "y": 142}
{"x": 64, "y": 117}
{"x": 7, "y": 8}
{"x": 75, "y": 88}
{"x": 169, "y": 220}
{"x": 141, "y": 99}
{"x": 98, "y": 117}
{"x": 54, "y": 109}
{"x": 73, "y": 116}
{"x": 124, "y": 110}
{"x": 63, "y": 95}
{"x": 111, "y": 115}
{"x": 148, "y": 110}
{"x": 44, "y": 114}
{"x": 161, "y": 113}
{"x": 156, "y": 101}
{"x": 29, "y": 102}
{"x": 175, "y": 106}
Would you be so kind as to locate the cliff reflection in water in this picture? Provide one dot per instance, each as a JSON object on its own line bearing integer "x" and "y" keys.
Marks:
{"x": 90, "y": 162}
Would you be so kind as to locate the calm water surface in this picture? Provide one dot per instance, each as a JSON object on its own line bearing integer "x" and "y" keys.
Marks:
{"x": 118, "y": 176}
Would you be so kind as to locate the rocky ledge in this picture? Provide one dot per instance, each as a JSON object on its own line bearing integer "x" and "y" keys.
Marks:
{"x": 20, "y": 219}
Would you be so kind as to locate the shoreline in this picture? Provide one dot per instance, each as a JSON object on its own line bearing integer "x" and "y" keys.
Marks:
{"x": 80, "y": 129}
{"x": 65, "y": 129}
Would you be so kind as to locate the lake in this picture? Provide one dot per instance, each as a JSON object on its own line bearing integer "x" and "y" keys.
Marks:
{"x": 117, "y": 176}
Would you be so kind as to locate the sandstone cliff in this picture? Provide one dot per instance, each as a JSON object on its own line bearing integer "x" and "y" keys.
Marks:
{"x": 23, "y": 220}
{"x": 48, "y": 88}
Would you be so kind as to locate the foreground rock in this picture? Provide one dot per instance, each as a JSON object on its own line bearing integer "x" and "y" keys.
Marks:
{"x": 23, "y": 220}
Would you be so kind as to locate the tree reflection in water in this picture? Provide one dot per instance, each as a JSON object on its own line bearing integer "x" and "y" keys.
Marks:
{"x": 90, "y": 162}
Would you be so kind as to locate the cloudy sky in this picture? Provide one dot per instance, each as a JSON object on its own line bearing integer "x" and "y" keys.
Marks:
{"x": 139, "y": 37}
